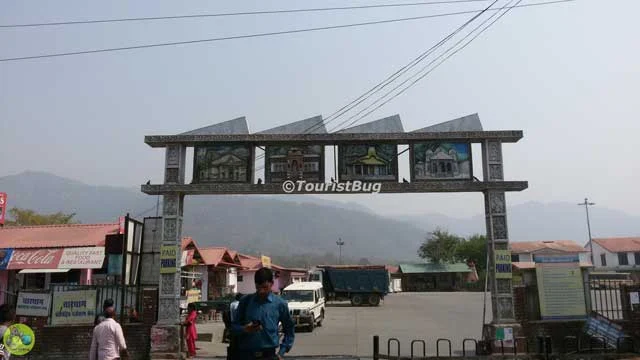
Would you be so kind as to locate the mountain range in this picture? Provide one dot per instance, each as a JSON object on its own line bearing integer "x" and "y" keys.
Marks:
{"x": 295, "y": 225}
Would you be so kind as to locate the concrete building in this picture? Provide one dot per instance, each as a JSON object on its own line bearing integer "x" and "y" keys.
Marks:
{"x": 523, "y": 256}
{"x": 282, "y": 276}
{"x": 39, "y": 257}
{"x": 616, "y": 254}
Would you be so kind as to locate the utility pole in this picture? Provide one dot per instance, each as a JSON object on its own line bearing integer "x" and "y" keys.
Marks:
{"x": 340, "y": 243}
{"x": 586, "y": 205}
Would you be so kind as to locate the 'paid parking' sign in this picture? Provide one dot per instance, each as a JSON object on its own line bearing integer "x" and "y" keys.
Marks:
{"x": 503, "y": 264}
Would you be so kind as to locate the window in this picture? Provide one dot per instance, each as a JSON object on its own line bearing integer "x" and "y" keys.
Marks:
{"x": 603, "y": 259}
{"x": 637, "y": 258}
{"x": 240, "y": 278}
{"x": 623, "y": 259}
{"x": 515, "y": 258}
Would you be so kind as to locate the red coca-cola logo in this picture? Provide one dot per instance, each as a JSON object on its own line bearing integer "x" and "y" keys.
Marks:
{"x": 35, "y": 259}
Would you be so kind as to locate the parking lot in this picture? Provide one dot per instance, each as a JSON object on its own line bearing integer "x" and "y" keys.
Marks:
{"x": 349, "y": 330}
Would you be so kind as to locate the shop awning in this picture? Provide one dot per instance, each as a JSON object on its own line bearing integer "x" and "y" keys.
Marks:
{"x": 40, "y": 271}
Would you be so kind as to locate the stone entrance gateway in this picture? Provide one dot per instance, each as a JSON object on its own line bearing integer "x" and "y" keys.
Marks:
{"x": 224, "y": 164}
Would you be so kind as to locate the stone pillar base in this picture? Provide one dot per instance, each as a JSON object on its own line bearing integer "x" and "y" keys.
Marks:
{"x": 165, "y": 342}
{"x": 509, "y": 332}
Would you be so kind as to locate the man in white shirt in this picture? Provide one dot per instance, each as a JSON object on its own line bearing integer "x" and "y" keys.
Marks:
{"x": 234, "y": 307}
{"x": 108, "y": 340}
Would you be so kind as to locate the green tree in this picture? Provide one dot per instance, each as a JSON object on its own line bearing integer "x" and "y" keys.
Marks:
{"x": 440, "y": 246}
{"x": 26, "y": 217}
{"x": 473, "y": 249}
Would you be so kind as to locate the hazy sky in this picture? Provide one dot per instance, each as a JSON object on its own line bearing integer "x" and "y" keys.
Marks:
{"x": 565, "y": 74}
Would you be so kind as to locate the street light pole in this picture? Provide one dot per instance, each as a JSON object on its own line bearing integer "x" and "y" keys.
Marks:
{"x": 586, "y": 205}
{"x": 340, "y": 243}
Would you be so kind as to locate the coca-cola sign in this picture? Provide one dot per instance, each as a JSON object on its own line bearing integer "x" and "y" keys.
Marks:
{"x": 35, "y": 259}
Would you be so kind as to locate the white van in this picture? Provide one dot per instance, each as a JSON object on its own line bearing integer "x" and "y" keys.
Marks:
{"x": 306, "y": 303}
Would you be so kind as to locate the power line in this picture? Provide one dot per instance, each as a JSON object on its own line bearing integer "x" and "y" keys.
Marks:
{"x": 440, "y": 63}
{"x": 388, "y": 80}
{"x": 334, "y": 116}
{"x": 404, "y": 69}
{"x": 146, "y": 46}
{"x": 265, "y": 12}
{"x": 508, "y": 8}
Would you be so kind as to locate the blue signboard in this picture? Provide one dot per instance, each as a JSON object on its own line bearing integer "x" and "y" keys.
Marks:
{"x": 598, "y": 325}
{"x": 556, "y": 258}
{"x": 5, "y": 256}
{"x": 115, "y": 264}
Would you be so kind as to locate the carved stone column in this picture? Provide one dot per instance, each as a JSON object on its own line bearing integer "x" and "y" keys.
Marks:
{"x": 498, "y": 238}
{"x": 165, "y": 339}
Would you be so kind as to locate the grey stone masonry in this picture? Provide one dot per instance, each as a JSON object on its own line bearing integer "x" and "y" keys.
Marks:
{"x": 172, "y": 212}
{"x": 497, "y": 232}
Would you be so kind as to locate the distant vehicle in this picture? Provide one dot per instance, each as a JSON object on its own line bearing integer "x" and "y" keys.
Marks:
{"x": 306, "y": 303}
{"x": 360, "y": 284}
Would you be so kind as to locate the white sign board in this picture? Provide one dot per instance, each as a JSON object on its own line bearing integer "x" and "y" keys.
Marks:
{"x": 74, "y": 307}
{"x": 82, "y": 258}
{"x": 635, "y": 298}
{"x": 33, "y": 304}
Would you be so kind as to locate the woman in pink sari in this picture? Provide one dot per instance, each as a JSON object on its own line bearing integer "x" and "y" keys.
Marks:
{"x": 190, "y": 329}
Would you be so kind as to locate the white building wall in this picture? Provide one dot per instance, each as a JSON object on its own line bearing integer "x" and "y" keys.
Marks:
{"x": 203, "y": 269}
{"x": 246, "y": 286}
{"x": 232, "y": 280}
{"x": 611, "y": 259}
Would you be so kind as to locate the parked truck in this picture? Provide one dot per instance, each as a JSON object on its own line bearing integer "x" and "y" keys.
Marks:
{"x": 360, "y": 284}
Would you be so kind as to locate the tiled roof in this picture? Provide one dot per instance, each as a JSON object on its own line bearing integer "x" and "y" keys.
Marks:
{"x": 519, "y": 247}
{"x": 434, "y": 268}
{"x": 250, "y": 262}
{"x": 53, "y": 236}
{"x": 215, "y": 256}
{"x": 620, "y": 244}
{"x": 186, "y": 241}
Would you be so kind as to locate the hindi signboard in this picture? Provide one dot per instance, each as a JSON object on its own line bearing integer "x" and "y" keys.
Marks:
{"x": 73, "y": 307}
{"x": 503, "y": 264}
{"x": 561, "y": 291}
{"x": 169, "y": 259}
{"x": 82, "y": 258}
{"x": 33, "y": 304}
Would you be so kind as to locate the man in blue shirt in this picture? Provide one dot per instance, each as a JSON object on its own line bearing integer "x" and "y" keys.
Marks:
{"x": 256, "y": 324}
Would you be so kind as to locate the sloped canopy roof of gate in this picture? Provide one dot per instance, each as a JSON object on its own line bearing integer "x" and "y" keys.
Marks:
{"x": 312, "y": 125}
{"x": 465, "y": 123}
{"x": 391, "y": 124}
{"x": 234, "y": 126}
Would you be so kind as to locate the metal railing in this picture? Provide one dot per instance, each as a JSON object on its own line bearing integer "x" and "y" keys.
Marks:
{"x": 605, "y": 297}
{"x": 541, "y": 347}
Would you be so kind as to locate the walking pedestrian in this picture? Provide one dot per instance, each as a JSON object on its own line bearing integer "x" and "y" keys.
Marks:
{"x": 191, "y": 332}
{"x": 108, "y": 341}
{"x": 100, "y": 317}
{"x": 256, "y": 326}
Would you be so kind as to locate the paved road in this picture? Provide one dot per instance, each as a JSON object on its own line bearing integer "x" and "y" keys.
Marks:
{"x": 406, "y": 316}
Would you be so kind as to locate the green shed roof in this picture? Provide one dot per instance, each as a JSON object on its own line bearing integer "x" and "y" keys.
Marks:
{"x": 434, "y": 268}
